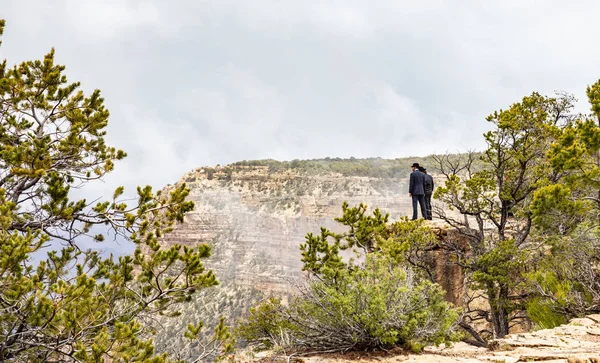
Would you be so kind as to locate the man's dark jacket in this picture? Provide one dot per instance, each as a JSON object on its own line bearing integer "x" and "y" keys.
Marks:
{"x": 417, "y": 183}
{"x": 428, "y": 184}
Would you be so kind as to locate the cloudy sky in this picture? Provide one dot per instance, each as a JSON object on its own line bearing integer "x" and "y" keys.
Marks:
{"x": 201, "y": 82}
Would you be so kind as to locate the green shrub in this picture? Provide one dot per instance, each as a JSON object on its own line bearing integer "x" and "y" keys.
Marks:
{"x": 566, "y": 282}
{"x": 543, "y": 315}
{"x": 377, "y": 304}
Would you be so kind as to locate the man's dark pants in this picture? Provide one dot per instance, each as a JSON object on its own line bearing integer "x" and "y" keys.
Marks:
{"x": 420, "y": 199}
{"x": 428, "y": 206}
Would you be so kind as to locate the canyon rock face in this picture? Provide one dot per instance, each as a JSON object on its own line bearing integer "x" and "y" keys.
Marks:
{"x": 255, "y": 219}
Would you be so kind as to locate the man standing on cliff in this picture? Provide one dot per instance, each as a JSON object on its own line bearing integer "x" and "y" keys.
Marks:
{"x": 428, "y": 192}
{"x": 416, "y": 190}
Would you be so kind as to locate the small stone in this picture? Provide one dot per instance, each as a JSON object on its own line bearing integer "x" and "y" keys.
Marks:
{"x": 571, "y": 330}
{"x": 582, "y": 322}
{"x": 498, "y": 358}
{"x": 533, "y": 342}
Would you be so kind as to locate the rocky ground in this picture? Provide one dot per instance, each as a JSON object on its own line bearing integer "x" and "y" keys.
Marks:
{"x": 576, "y": 342}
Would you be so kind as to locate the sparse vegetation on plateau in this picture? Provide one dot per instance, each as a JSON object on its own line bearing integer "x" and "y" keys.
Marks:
{"x": 367, "y": 167}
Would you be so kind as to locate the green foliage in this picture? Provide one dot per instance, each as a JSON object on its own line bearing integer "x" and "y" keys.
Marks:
{"x": 77, "y": 305}
{"x": 554, "y": 210}
{"x": 381, "y": 298}
{"x": 575, "y": 154}
{"x": 593, "y": 94}
{"x": 265, "y": 325}
{"x": 566, "y": 280}
{"x": 542, "y": 314}
{"x": 565, "y": 214}
{"x": 405, "y": 241}
{"x": 500, "y": 264}
{"x": 220, "y": 344}
{"x": 377, "y": 304}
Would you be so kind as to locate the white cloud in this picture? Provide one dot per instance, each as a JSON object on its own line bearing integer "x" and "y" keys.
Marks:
{"x": 355, "y": 18}
{"x": 110, "y": 18}
{"x": 239, "y": 113}
{"x": 192, "y": 83}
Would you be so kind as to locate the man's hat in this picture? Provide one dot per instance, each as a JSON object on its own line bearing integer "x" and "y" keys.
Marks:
{"x": 415, "y": 165}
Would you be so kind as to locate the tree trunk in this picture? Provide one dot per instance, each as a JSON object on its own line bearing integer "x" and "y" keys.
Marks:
{"x": 499, "y": 314}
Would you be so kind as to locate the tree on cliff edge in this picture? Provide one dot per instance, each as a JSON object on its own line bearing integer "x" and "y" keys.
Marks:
{"x": 495, "y": 204}
{"x": 78, "y": 305}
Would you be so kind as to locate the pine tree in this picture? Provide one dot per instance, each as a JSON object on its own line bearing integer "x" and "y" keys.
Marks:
{"x": 495, "y": 204}
{"x": 566, "y": 214}
{"x": 77, "y": 305}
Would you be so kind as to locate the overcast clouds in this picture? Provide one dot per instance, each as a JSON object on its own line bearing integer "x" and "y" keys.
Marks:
{"x": 201, "y": 82}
